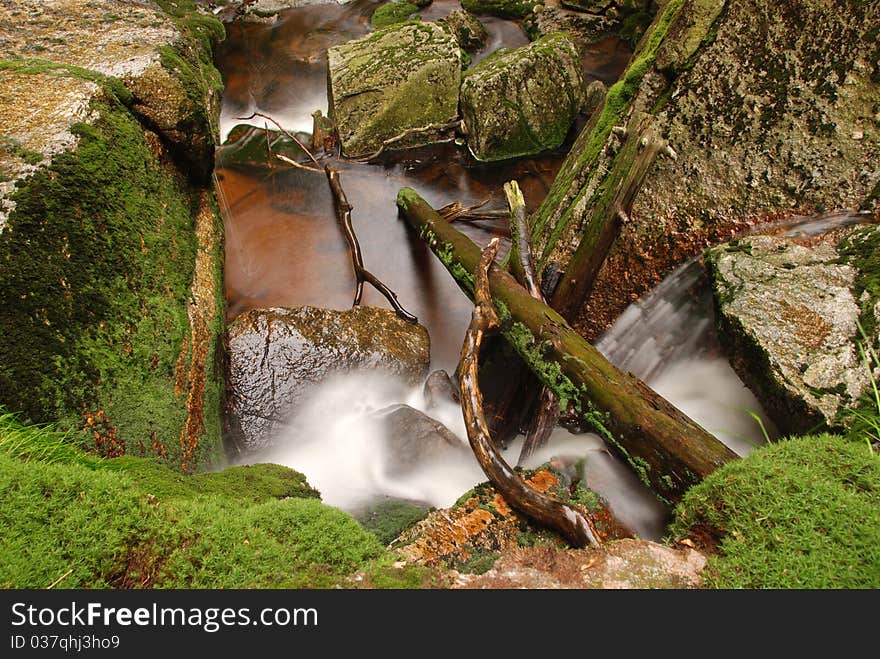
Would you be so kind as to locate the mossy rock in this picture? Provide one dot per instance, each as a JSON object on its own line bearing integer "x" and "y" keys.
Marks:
{"x": 801, "y": 513}
{"x": 388, "y": 518}
{"x": 391, "y": 13}
{"x": 500, "y": 8}
{"x": 397, "y": 79}
{"x": 467, "y": 28}
{"x": 524, "y": 101}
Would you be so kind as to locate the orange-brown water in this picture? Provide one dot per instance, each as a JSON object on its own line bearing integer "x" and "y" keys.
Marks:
{"x": 283, "y": 244}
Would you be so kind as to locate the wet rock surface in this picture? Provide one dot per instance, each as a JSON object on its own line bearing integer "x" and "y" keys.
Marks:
{"x": 413, "y": 439}
{"x": 583, "y": 29}
{"x": 277, "y": 355}
{"x": 523, "y": 101}
{"x": 398, "y": 79}
{"x": 440, "y": 388}
{"x": 788, "y": 316}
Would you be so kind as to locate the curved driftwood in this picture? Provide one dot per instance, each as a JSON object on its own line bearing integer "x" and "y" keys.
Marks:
{"x": 566, "y": 519}
{"x": 668, "y": 450}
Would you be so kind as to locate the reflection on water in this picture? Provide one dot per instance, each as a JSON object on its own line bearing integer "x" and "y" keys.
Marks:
{"x": 283, "y": 246}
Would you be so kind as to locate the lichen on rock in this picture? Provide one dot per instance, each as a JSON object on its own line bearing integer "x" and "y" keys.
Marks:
{"x": 402, "y": 78}
{"x": 788, "y": 317}
{"x": 523, "y": 101}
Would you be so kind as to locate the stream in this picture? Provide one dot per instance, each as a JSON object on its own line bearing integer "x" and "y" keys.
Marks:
{"x": 283, "y": 248}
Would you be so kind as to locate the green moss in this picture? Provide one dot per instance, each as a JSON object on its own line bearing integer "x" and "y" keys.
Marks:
{"x": 133, "y": 523}
{"x": 112, "y": 86}
{"x": 801, "y": 513}
{"x": 391, "y": 517}
{"x": 391, "y": 13}
{"x": 479, "y": 562}
{"x": 500, "y": 8}
{"x": 95, "y": 268}
{"x": 586, "y": 152}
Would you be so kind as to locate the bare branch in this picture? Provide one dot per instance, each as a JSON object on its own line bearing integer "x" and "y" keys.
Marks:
{"x": 410, "y": 131}
{"x": 282, "y": 129}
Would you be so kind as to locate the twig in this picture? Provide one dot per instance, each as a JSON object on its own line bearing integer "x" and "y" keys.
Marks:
{"x": 298, "y": 165}
{"x": 59, "y": 579}
{"x": 281, "y": 128}
{"x": 409, "y": 131}
{"x": 343, "y": 214}
{"x": 544, "y": 509}
{"x": 455, "y": 211}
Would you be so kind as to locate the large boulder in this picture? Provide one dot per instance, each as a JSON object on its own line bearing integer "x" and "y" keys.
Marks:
{"x": 772, "y": 111}
{"x": 500, "y": 8}
{"x": 277, "y": 356}
{"x": 584, "y": 29}
{"x": 523, "y": 101}
{"x": 110, "y": 245}
{"x": 392, "y": 82}
{"x": 414, "y": 439}
{"x": 788, "y": 318}
{"x": 467, "y": 28}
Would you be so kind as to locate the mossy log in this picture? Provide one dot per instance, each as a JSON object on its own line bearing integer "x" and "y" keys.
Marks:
{"x": 546, "y": 510}
{"x": 669, "y": 451}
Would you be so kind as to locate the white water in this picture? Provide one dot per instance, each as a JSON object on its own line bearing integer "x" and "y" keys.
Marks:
{"x": 667, "y": 338}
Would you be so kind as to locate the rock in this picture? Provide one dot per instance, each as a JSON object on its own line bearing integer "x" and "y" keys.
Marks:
{"x": 621, "y": 564}
{"x": 397, "y": 79}
{"x": 440, "y": 389}
{"x": 259, "y": 11}
{"x": 413, "y": 439}
{"x": 594, "y": 96}
{"x": 468, "y": 29}
{"x": 174, "y": 87}
{"x": 500, "y": 8}
{"x": 482, "y": 522}
{"x": 246, "y": 145}
{"x": 387, "y": 518}
{"x": 110, "y": 248}
{"x": 583, "y": 29}
{"x": 788, "y": 322}
{"x": 762, "y": 132}
{"x": 523, "y": 101}
{"x": 277, "y": 355}
{"x": 391, "y": 13}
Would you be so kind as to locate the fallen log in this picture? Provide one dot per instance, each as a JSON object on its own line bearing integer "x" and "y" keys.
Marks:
{"x": 669, "y": 451}
{"x": 546, "y": 510}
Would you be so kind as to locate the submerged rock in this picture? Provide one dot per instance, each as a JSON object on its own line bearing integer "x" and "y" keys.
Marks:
{"x": 398, "y": 79}
{"x": 247, "y": 145}
{"x": 278, "y": 355}
{"x": 440, "y": 389}
{"x": 523, "y": 101}
{"x": 468, "y": 29}
{"x": 413, "y": 439}
{"x": 788, "y": 318}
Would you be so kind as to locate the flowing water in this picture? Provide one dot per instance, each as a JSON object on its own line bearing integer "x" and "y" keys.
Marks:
{"x": 283, "y": 248}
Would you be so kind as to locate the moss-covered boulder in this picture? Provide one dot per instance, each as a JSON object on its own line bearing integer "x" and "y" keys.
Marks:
{"x": 800, "y": 513}
{"x": 523, "y": 101}
{"x": 500, "y": 8}
{"x": 583, "y": 29}
{"x": 111, "y": 292}
{"x": 391, "y": 13}
{"x": 278, "y": 355}
{"x": 467, "y": 28}
{"x": 788, "y": 318}
{"x": 772, "y": 110}
{"x": 401, "y": 79}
